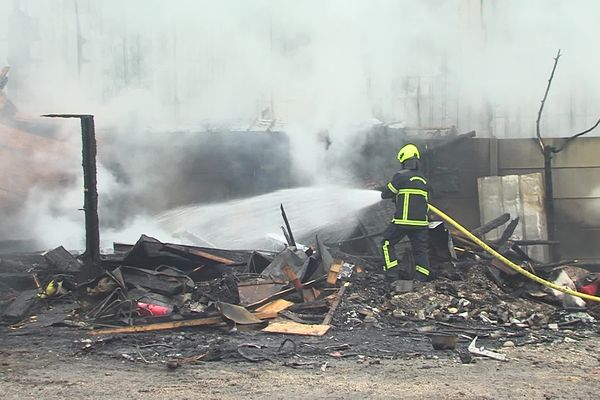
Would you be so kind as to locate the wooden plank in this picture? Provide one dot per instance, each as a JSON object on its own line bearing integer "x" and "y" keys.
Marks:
{"x": 200, "y": 253}
{"x": 275, "y": 306}
{"x": 294, "y": 328}
{"x": 334, "y": 271}
{"x": 335, "y": 304}
{"x": 159, "y": 326}
{"x": 265, "y": 314}
{"x": 207, "y": 321}
{"x": 212, "y": 257}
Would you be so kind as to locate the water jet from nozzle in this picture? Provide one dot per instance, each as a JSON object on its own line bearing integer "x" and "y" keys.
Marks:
{"x": 245, "y": 223}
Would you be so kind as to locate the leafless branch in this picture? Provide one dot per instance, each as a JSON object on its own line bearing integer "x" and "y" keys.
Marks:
{"x": 566, "y": 142}
{"x": 539, "y": 117}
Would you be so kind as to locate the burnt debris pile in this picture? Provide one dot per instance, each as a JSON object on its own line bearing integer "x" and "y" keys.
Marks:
{"x": 327, "y": 286}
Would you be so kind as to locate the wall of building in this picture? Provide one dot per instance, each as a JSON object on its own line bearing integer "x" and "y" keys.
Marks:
{"x": 576, "y": 178}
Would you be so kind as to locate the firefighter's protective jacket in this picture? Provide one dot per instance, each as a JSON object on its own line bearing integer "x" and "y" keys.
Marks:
{"x": 411, "y": 192}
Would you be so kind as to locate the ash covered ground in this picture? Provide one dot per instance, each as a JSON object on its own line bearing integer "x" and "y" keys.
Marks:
{"x": 379, "y": 346}
{"x": 471, "y": 333}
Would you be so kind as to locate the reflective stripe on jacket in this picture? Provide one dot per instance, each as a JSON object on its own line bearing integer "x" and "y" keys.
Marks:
{"x": 411, "y": 192}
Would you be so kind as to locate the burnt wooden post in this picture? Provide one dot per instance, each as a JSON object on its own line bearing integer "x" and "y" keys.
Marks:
{"x": 90, "y": 189}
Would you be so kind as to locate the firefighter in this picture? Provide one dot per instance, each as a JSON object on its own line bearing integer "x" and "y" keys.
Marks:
{"x": 409, "y": 190}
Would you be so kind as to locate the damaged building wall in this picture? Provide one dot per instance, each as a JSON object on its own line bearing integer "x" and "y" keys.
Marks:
{"x": 576, "y": 180}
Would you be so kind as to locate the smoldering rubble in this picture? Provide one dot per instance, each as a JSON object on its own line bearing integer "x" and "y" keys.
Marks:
{"x": 318, "y": 296}
{"x": 315, "y": 299}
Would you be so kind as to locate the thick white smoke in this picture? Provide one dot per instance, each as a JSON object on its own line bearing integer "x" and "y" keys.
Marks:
{"x": 146, "y": 67}
{"x": 321, "y": 64}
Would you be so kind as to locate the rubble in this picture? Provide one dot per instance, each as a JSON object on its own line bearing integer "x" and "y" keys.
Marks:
{"x": 152, "y": 287}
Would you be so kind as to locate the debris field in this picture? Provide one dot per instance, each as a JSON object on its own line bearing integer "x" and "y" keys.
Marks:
{"x": 302, "y": 307}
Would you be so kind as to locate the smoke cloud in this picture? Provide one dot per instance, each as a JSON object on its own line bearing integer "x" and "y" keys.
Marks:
{"x": 153, "y": 72}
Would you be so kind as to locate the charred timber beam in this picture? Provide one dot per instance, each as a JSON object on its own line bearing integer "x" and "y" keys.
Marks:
{"x": 522, "y": 254}
{"x": 90, "y": 205}
{"x": 493, "y": 224}
{"x": 338, "y": 299}
{"x": 535, "y": 242}
{"x": 510, "y": 229}
{"x": 290, "y": 236}
{"x": 473, "y": 248}
{"x": 90, "y": 185}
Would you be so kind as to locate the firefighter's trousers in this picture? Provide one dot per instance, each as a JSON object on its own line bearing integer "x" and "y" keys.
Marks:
{"x": 419, "y": 240}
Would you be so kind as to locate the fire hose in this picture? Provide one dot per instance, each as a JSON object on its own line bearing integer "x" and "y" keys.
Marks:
{"x": 509, "y": 263}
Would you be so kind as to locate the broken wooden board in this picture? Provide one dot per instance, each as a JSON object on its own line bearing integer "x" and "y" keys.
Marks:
{"x": 211, "y": 257}
{"x": 160, "y": 326}
{"x": 294, "y": 328}
{"x": 334, "y": 272}
{"x": 275, "y": 306}
{"x": 335, "y": 303}
{"x": 199, "y": 253}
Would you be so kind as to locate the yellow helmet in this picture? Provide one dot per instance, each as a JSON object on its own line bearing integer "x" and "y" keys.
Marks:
{"x": 407, "y": 152}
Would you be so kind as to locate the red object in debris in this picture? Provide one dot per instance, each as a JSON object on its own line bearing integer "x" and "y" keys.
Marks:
{"x": 152, "y": 310}
{"x": 590, "y": 288}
